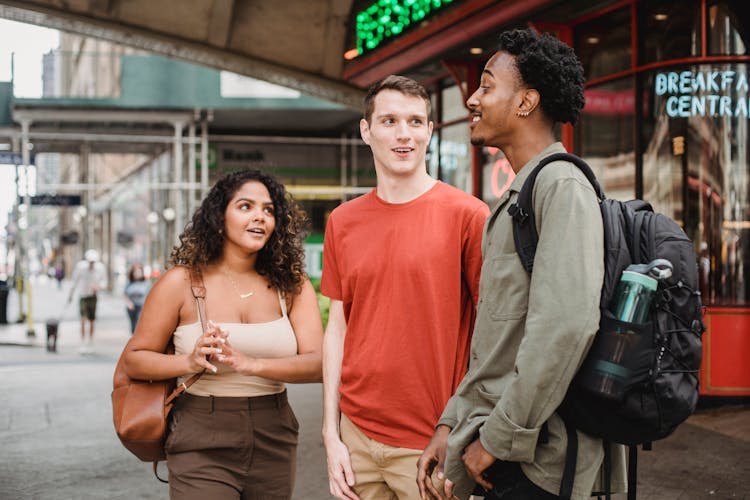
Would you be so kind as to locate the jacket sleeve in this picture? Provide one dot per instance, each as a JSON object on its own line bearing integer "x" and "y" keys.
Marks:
{"x": 562, "y": 316}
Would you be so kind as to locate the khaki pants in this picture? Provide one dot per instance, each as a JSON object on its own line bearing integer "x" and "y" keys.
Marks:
{"x": 381, "y": 472}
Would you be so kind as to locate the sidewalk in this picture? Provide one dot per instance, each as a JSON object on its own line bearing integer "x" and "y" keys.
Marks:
{"x": 50, "y": 303}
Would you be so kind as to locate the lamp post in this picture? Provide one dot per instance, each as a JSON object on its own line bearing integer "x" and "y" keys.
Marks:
{"x": 153, "y": 219}
{"x": 169, "y": 214}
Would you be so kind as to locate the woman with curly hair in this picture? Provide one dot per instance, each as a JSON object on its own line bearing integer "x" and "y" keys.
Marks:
{"x": 233, "y": 434}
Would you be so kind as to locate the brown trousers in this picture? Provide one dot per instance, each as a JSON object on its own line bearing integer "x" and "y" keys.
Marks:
{"x": 232, "y": 448}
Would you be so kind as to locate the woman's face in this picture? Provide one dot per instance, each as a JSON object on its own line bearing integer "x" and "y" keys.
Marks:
{"x": 249, "y": 218}
{"x": 137, "y": 273}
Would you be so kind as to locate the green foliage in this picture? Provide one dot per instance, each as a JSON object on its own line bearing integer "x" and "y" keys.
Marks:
{"x": 323, "y": 302}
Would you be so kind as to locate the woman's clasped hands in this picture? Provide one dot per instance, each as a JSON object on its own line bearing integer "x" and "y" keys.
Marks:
{"x": 208, "y": 346}
{"x": 214, "y": 346}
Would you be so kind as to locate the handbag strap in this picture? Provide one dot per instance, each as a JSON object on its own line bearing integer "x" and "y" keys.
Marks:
{"x": 199, "y": 292}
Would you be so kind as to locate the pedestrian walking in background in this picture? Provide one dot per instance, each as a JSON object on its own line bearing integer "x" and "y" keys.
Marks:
{"x": 401, "y": 265}
{"x": 59, "y": 270}
{"x": 233, "y": 434}
{"x": 89, "y": 277}
{"x": 135, "y": 293}
{"x": 531, "y": 332}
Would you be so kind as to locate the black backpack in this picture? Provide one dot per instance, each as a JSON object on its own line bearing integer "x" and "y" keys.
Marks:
{"x": 661, "y": 390}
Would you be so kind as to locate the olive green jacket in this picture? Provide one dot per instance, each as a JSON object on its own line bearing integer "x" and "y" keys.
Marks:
{"x": 531, "y": 335}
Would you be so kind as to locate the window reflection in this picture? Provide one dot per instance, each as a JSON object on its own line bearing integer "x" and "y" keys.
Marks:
{"x": 455, "y": 157}
{"x": 716, "y": 169}
{"x": 603, "y": 44}
{"x": 670, "y": 29}
{"x": 604, "y": 136}
{"x": 729, "y": 27}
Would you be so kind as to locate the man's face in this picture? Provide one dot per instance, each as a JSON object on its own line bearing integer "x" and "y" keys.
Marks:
{"x": 495, "y": 103}
{"x": 398, "y": 133}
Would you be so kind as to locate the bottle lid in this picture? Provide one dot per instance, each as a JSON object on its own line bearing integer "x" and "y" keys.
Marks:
{"x": 641, "y": 279}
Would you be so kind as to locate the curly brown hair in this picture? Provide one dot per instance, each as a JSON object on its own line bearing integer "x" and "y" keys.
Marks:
{"x": 281, "y": 260}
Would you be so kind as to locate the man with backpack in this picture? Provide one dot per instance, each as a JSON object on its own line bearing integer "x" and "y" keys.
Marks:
{"x": 501, "y": 432}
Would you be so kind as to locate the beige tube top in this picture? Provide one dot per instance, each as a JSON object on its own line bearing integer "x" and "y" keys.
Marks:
{"x": 273, "y": 339}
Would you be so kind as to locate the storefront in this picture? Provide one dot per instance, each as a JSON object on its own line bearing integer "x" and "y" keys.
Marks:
{"x": 667, "y": 119}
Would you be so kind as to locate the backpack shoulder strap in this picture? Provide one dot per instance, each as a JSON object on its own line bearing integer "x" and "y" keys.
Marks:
{"x": 525, "y": 235}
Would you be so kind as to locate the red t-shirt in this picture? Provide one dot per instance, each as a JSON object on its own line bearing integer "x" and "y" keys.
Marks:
{"x": 408, "y": 277}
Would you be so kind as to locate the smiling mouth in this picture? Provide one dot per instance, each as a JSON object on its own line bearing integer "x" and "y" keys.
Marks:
{"x": 256, "y": 230}
{"x": 402, "y": 151}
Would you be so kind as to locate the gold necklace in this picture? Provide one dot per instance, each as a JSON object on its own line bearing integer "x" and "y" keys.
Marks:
{"x": 234, "y": 285}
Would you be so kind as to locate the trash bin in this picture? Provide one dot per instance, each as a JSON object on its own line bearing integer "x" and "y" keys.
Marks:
{"x": 4, "y": 290}
{"x": 52, "y": 325}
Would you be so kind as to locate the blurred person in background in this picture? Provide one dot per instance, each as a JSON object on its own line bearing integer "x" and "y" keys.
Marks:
{"x": 89, "y": 276}
{"x": 135, "y": 293}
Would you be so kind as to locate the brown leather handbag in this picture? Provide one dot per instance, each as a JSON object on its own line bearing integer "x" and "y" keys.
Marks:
{"x": 140, "y": 408}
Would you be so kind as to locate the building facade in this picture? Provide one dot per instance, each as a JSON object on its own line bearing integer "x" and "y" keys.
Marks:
{"x": 666, "y": 120}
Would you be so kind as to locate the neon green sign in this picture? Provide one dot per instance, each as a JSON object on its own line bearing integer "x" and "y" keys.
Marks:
{"x": 388, "y": 18}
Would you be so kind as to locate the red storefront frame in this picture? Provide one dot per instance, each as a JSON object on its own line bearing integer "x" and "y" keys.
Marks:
{"x": 726, "y": 344}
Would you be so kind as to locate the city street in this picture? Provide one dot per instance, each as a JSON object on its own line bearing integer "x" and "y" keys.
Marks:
{"x": 58, "y": 441}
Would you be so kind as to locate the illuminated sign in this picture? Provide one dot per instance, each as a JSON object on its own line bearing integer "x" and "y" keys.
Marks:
{"x": 387, "y": 18}
{"x": 704, "y": 93}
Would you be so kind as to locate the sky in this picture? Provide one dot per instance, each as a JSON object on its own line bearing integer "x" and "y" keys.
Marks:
{"x": 27, "y": 42}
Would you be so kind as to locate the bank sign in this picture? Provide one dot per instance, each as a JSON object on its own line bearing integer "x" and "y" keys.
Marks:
{"x": 704, "y": 93}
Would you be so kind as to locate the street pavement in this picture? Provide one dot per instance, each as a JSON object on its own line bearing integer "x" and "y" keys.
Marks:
{"x": 58, "y": 441}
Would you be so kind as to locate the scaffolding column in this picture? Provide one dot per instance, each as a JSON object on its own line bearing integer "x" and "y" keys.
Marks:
{"x": 179, "y": 215}
{"x": 26, "y": 227}
{"x": 191, "y": 172}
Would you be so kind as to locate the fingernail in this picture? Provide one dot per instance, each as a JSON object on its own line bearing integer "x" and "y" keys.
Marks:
{"x": 222, "y": 340}
{"x": 440, "y": 475}
{"x": 218, "y": 350}
{"x": 213, "y": 369}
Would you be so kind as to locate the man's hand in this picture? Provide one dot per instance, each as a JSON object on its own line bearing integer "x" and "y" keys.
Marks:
{"x": 433, "y": 456}
{"x": 340, "y": 473}
{"x": 476, "y": 460}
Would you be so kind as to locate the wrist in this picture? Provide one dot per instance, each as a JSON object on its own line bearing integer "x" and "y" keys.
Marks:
{"x": 190, "y": 365}
{"x": 252, "y": 367}
{"x": 330, "y": 434}
{"x": 442, "y": 429}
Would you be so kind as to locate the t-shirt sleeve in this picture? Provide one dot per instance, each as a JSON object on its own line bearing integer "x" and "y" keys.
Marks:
{"x": 472, "y": 250}
{"x": 330, "y": 283}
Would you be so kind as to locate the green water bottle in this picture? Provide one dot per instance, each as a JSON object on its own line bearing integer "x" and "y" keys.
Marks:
{"x": 633, "y": 298}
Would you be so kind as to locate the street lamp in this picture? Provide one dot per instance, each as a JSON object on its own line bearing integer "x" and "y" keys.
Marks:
{"x": 169, "y": 214}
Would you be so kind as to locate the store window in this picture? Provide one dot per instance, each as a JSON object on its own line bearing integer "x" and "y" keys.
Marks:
{"x": 669, "y": 29}
{"x": 604, "y": 44}
{"x": 728, "y": 27}
{"x": 696, "y": 168}
{"x": 455, "y": 157}
{"x": 604, "y": 136}
{"x": 450, "y": 154}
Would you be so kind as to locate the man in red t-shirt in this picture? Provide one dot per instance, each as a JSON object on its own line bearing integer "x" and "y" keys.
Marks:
{"x": 401, "y": 266}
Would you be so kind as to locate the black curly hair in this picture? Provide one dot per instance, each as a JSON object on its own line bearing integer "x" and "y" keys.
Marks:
{"x": 281, "y": 260}
{"x": 551, "y": 67}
